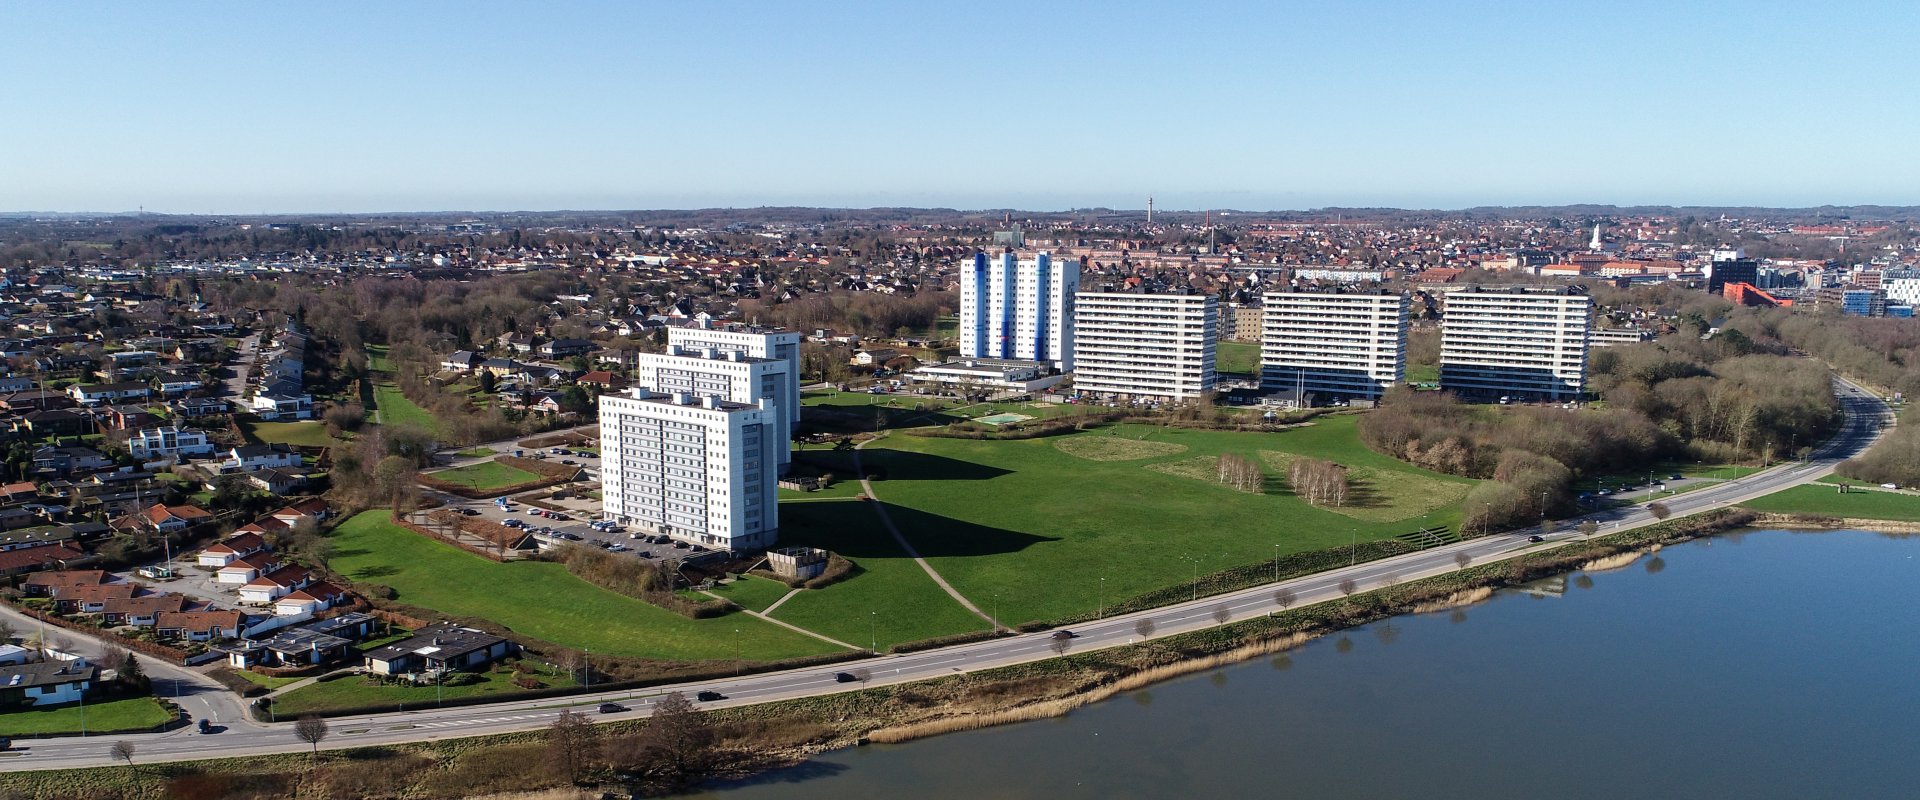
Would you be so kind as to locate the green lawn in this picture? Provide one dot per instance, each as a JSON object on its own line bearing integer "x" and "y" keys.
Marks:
{"x": 1041, "y": 527}
{"x": 1423, "y": 373}
{"x": 396, "y": 409}
{"x": 377, "y": 358}
{"x": 751, "y": 593}
{"x": 542, "y": 600}
{"x": 117, "y": 715}
{"x": 268, "y": 681}
{"x": 485, "y": 475}
{"x": 909, "y": 605}
{"x": 477, "y": 452}
{"x": 358, "y": 691}
{"x": 1822, "y": 499}
{"x": 1237, "y": 357}
{"x": 305, "y": 433}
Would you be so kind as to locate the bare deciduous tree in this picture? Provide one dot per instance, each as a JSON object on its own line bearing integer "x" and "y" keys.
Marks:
{"x": 571, "y": 745}
{"x": 1659, "y": 510}
{"x": 312, "y": 730}
{"x": 1318, "y": 481}
{"x": 122, "y": 750}
{"x": 1347, "y": 586}
{"x": 1462, "y": 559}
{"x": 1144, "y": 627}
{"x": 1221, "y": 613}
{"x": 1241, "y": 473}
{"x": 1284, "y": 597}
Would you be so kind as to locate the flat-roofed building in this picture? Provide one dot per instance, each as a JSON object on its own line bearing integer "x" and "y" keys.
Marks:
{"x": 731, "y": 374}
{"x": 1524, "y": 342}
{"x": 700, "y": 469}
{"x": 1139, "y": 345}
{"x": 751, "y": 340}
{"x": 1013, "y": 308}
{"x": 1333, "y": 345}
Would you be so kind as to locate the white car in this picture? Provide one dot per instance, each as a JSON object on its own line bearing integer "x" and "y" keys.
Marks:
{"x": 1889, "y": 486}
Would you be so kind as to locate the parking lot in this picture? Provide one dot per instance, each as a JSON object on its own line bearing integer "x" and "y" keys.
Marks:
{"x": 575, "y": 523}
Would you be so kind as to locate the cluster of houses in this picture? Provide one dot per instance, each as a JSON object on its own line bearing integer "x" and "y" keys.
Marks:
{"x": 279, "y": 390}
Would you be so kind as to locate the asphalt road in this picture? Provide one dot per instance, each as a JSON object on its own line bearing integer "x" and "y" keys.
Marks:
{"x": 1866, "y": 417}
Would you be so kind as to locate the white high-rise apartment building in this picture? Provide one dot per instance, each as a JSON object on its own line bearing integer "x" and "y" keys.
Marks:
{"x": 751, "y": 340}
{"x": 1333, "y": 345}
{"x": 731, "y": 374}
{"x": 1525, "y": 342}
{"x": 697, "y": 468}
{"x": 1018, "y": 308}
{"x": 1134, "y": 345}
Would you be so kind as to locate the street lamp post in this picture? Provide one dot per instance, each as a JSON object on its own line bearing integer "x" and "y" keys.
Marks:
{"x": 1276, "y": 562}
{"x": 873, "y": 632}
{"x": 1103, "y": 599}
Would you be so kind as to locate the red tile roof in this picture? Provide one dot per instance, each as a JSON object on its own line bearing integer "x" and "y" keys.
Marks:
{"x": 30, "y": 557}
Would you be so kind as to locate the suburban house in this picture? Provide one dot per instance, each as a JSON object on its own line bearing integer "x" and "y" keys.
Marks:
{"x": 442, "y": 645}
{"x": 36, "y": 537}
{"x": 172, "y": 519}
{"x": 241, "y": 571}
{"x": 315, "y": 596}
{"x": 141, "y": 612}
{"x": 602, "y": 379}
{"x": 48, "y": 683}
{"x": 192, "y": 407}
{"x": 248, "y": 458}
{"x": 462, "y": 361}
{"x": 169, "y": 443}
{"x": 239, "y": 545}
{"x": 54, "y": 422}
{"x": 69, "y": 460}
{"x": 36, "y": 399}
{"x": 108, "y": 393}
{"x": 874, "y": 358}
{"x": 51, "y": 584}
{"x": 564, "y": 348}
{"x": 92, "y": 599}
{"x": 278, "y": 481}
{"x": 275, "y": 585}
{"x": 317, "y": 642}
{"x": 32, "y": 559}
{"x": 19, "y": 492}
{"x": 199, "y": 626}
{"x": 314, "y": 509}
{"x": 282, "y": 406}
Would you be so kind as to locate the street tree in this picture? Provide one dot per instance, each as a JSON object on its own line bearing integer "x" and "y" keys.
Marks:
{"x": 122, "y": 750}
{"x": 312, "y": 730}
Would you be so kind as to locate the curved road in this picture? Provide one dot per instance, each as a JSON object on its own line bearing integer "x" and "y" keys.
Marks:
{"x": 1866, "y": 417}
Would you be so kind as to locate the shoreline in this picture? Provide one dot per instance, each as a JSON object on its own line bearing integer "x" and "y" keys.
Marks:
{"x": 772, "y": 736}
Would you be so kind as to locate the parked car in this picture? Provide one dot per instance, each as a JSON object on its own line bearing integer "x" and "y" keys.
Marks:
{"x": 645, "y": 554}
{"x": 709, "y": 696}
{"x": 1889, "y": 486}
{"x": 471, "y": 512}
{"x": 611, "y": 708}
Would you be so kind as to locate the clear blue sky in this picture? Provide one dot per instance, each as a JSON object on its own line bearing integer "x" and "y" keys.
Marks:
{"x": 288, "y": 107}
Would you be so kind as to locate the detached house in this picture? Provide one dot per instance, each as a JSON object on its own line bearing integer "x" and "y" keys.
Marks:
{"x": 170, "y": 442}
{"x": 462, "y": 361}
{"x": 442, "y": 645}
{"x": 199, "y": 626}
{"x": 249, "y": 458}
{"x": 172, "y": 519}
{"x": 242, "y": 571}
{"x": 48, "y": 683}
{"x": 237, "y": 546}
{"x": 108, "y": 393}
{"x": 275, "y": 585}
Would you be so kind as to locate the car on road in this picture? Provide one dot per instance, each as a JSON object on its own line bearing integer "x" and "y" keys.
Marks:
{"x": 1889, "y": 486}
{"x": 612, "y": 708}
{"x": 1065, "y": 634}
{"x": 206, "y": 725}
{"x": 645, "y": 554}
{"x": 618, "y": 548}
{"x": 1536, "y": 538}
{"x": 844, "y": 677}
{"x": 709, "y": 696}
{"x": 471, "y": 512}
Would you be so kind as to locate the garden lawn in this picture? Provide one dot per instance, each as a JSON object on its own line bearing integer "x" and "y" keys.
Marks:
{"x": 355, "y": 691}
{"x": 377, "y": 358}
{"x": 485, "y": 475}
{"x": 1858, "y": 504}
{"x": 268, "y": 681}
{"x": 1423, "y": 373}
{"x": 542, "y": 600}
{"x": 1041, "y": 528}
{"x": 477, "y": 452}
{"x": 1237, "y": 357}
{"x": 909, "y": 605}
{"x": 116, "y": 715}
{"x": 396, "y": 409}
{"x": 751, "y": 593}
{"x": 305, "y": 433}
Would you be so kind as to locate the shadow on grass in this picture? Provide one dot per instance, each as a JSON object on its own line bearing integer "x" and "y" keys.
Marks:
{"x": 798, "y": 773}
{"x": 854, "y": 530}
{"x": 899, "y": 465}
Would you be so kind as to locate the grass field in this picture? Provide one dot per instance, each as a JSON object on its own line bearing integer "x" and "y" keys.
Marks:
{"x": 892, "y": 600}
{"x": 268, "y": 681}
{"x": 478, "y": 452}
{"x": 377, "y": 358}
{"x": 751, "y": 593}
{"x": 305, "y": 433}
{"x": 1114, "y": 448}
{"x": 1423, "y": 373}
{"x": 355, "y": 691}
{"x": 542, "y": 600}
{"x": 1237, "y": 357}
{"x": 396, "y": 409}
{"x": 1861, "y": 504}
{"x": 1041, "y": 527}
{"x": 117, "y": 715}
{"x": 485, "y": 475}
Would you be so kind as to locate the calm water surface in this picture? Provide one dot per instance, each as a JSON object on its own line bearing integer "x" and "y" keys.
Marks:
{"x": 1764, "y": 664}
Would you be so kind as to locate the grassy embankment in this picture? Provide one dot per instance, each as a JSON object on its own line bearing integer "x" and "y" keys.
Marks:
{"x": 1040, "y": 523}
{"x": 1830, "y": 501}
{"x": 485, "y": 475}
{"x": 542, "y": 600}
{"x": 134, "y": 713}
